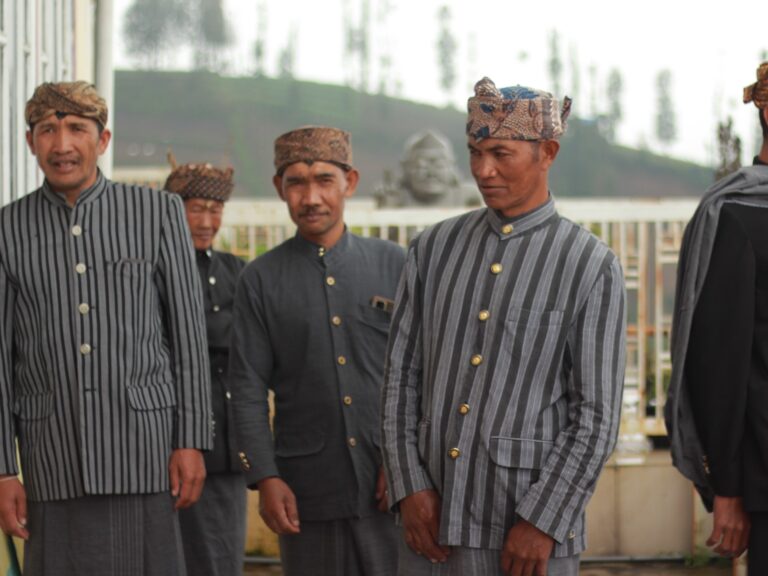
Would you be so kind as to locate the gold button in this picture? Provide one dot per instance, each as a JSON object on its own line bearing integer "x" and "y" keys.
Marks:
{"x": 321, "y": 251}
{"x": 216, "y": 308}
{"x": 212, "y": 280}
{"x": 347, "y": 400}
{"x": 571, "y": 534}
{"x": 85, "y": 349}
{"x": 80, "y": 268}
{"x": 496, "y": 268}
{"x": 84, "y": 308}
{"x": 336, "y": 321}
{"x": 244, "y": 461}
{"x": 476, "y": 360}
{"x": 342, "y": 360}
{"x": 507, "y": 229}
{"x": 76, "y": 230}
{"x": 330, "y": 280}
{"x": 352, "y": 442}
{"x": 464, "y": 409}
{"x": 484, "y": 315}
{"x": 228, "y": 395}
{"x": 454, "y": 453}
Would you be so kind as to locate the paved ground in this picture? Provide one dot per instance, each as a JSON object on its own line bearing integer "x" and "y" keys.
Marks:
{"x": 612, "y": 569}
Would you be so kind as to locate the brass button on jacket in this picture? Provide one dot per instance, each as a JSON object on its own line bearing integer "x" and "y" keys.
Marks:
{"x": 484, "y": 315}
{"x": 348, "y": 400}
{"x": 507, "y": 229}
{"x": 454, "y": 453}
{"x": 336, "y": 320}
{"x": 476, "y": 360}
{"x": 496, "y": 268}
{"x": 464, "y": 409}
{"x": 330, "y": 280}
{"x": 342, "y": 360}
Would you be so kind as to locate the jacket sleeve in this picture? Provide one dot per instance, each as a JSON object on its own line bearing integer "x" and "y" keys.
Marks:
{"x": 250, "y": 369}
{"x": 596, "y": 346}
{"x": 178, "y": 283}
{"x": 8, "y": 463}
{"x": 401, "y": 393}
{"x": 719, "y": 354}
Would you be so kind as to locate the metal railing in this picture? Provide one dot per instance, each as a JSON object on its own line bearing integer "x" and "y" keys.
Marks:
{"x": 645, "y": 234}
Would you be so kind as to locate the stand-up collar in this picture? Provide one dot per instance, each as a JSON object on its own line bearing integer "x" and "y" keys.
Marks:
{"x": 320, "y": 254}
{"x": 511, "y": 227}
{"x": 88, "y": 195}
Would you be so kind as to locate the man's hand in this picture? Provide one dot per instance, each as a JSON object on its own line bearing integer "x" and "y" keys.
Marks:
{"x": 277, "y": 506}
{"x": 421, "y": 521}
{"x": 13, "y": 508}
{"x": 526, "y": 550}
{"x": 381, "y": 491}
{"x": 730, "y": 533}
{"x": 187, "y": 472}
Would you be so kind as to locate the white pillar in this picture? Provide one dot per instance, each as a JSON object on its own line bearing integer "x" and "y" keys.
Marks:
{"x": 105, "y": 75}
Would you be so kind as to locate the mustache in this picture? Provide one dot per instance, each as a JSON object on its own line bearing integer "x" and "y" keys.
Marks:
{"x": 311, "y": 211}
{"x": 59, "y": 158}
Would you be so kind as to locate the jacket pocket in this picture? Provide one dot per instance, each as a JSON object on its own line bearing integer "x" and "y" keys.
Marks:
{"x": 153, "y": 397}
{"x": 33, "y": 406}
{"x": 521, "y": 453}
{"x": 525, "y": 317}
{"x": 298, "y": 442}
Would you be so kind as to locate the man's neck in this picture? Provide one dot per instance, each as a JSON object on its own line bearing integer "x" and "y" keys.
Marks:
{"x": 763, "y": 155}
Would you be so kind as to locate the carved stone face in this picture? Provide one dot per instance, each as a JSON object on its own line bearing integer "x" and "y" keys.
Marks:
{"x": 428, "y": 169}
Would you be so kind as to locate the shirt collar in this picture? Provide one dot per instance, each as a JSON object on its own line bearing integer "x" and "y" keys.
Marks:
{"x": 511, "y": 227}
{"x": 88, "y": 195}
{"x": 318, "y": 253}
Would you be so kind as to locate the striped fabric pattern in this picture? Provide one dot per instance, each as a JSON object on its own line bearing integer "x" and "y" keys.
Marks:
{"x": 103, "y": 357}
{"x": 504, "y": 374}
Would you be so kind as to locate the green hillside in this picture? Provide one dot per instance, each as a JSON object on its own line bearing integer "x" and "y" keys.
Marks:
{"x": 204, "y": 117}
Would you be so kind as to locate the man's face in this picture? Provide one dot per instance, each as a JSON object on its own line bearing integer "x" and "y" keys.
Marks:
{"x": 204, "y": 218}
{"x": 67, "y": 150}
{"x": 512, "y": 174}
{"x": 315, "y": 196}
{"x": 428, "y": 172}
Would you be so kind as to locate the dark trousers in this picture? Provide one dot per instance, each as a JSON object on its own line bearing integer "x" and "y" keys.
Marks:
{"x": 757, "y": 557}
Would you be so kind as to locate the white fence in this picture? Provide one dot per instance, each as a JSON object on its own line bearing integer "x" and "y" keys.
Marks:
{"x": 646, "y": 234}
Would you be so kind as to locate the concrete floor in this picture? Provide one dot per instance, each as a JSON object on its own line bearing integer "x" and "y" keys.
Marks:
{"x": 587, "y": 569}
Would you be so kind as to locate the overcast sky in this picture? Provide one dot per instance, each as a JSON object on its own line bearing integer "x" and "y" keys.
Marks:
{"x": 712, "y": 52}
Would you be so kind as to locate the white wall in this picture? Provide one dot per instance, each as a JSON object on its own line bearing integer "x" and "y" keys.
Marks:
{"x": 40, "y": 41}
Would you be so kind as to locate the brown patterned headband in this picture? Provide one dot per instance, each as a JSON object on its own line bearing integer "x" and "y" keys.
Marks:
{"x": 78, "y": 98}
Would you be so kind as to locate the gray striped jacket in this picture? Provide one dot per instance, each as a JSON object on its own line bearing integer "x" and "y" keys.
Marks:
{"x": 504, "y": 374}
{"x": 103, "y": 358}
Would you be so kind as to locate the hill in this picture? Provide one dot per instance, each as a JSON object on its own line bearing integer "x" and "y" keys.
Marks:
{"x": 205, "y": 117}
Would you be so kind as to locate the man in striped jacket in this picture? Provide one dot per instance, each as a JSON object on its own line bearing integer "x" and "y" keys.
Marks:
{"x": 103, "y": 361}
{"x": 505, "y": 364}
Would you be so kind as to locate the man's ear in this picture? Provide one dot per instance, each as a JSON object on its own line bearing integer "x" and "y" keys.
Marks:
{"x": 104, "y": 138}
{"x": 277, "y": 182}
{"x": 30, "y": 142}
{"x": 548, "y": 151}
{"x": 353, "y": 178}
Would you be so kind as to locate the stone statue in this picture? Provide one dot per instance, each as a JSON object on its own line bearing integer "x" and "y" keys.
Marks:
{"x": 430, "y": 177}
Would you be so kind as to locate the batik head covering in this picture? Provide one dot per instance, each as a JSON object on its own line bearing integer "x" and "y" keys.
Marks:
{"x": 199, "y": 181}
{"x": 515, "y": 113}
{"x": 313, "y": 144}
{"x": 758, "y": 92}
{"x": 78, "y": 98}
